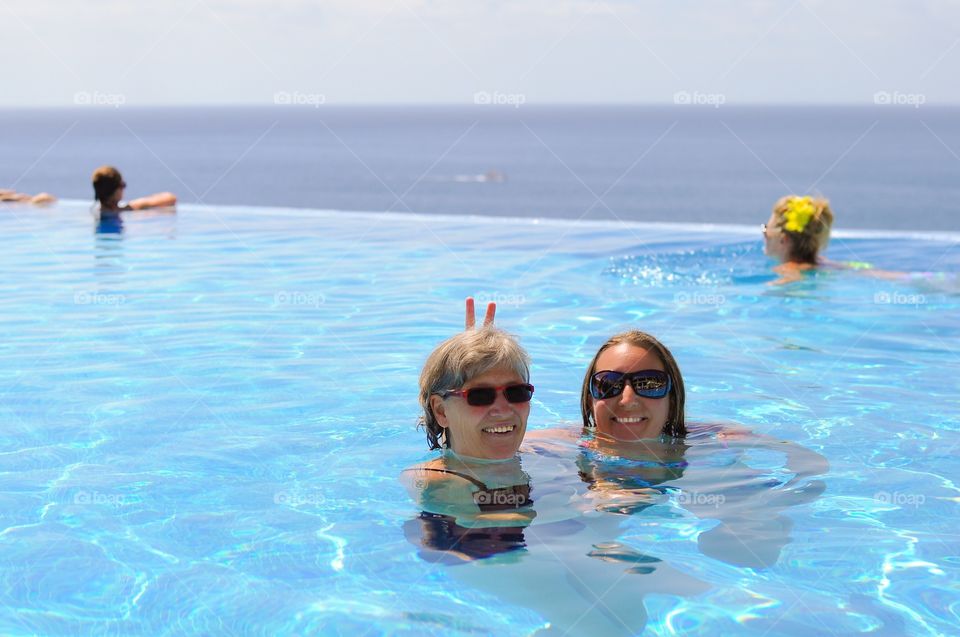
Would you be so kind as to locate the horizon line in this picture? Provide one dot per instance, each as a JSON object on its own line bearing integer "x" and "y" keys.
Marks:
{"x": 498, "y": 107}
{"x": 737, "y": 229}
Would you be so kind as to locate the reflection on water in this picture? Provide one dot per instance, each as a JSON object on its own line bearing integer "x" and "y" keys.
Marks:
{"x": 202, "y": 398}
{"x": 472, "y": 510}
{"x": 443, "y": 540}
{"x": 748, "y": 503}
{"x": 575, "y": 559}
{"x": 112, "y": 224}
{"x": 108, "y": 255}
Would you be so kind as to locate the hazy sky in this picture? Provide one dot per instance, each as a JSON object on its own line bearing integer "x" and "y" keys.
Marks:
{"x": 59, "y": 52}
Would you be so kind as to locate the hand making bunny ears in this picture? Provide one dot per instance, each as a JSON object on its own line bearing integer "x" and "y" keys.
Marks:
{"x": 471, "y": 320}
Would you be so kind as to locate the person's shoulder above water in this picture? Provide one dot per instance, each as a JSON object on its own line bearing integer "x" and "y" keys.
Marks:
{"x": 432, "y": 481}
{"x": 481, "y": 494}
{"x": 720, "y": 430}
{"x": 157, "y": 200}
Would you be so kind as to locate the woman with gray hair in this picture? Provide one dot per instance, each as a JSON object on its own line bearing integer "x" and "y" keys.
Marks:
{"x": 475, "y": 395}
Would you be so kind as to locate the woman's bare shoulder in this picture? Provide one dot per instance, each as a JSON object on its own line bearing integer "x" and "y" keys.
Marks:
{"x": 553, "y": 441}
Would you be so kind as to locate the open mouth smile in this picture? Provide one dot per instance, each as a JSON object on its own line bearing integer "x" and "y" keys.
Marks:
{"x": 499, "y": 429}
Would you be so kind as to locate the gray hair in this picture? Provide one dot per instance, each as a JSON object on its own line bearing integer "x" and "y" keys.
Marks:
{"x": 460, "y": 358}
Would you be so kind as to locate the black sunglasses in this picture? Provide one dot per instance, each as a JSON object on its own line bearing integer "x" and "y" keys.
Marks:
{"x": 649, "y": 383}
{"x": 484, "y": 396}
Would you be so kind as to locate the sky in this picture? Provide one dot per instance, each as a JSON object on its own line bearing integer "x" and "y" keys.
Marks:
{"x": 260, "y": 52}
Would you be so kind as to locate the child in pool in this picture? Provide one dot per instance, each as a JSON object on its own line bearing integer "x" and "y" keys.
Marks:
{"x": 108, "y": 187}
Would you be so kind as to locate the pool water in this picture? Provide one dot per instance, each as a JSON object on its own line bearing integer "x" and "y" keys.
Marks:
{"x": 206, "y": 415}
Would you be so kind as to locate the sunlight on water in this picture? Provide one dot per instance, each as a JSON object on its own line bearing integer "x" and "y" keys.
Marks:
{"x": 205, "y": 418}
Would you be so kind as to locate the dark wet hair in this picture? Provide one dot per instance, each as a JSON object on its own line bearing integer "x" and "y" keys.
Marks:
{"x": 106, "y": 181}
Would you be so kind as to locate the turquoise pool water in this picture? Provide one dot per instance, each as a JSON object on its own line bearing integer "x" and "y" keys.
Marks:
{"x": 205, "y": 417}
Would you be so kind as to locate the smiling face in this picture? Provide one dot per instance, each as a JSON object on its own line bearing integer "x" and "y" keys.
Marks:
{"x": 492, "y": 432}
{"x": 629, "y": 417}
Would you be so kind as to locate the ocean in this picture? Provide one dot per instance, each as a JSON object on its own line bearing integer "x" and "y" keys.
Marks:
{"x": 882, "y": 167}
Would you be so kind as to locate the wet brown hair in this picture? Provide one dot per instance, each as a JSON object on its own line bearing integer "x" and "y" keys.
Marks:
{"x": 106, "y": 181}
{"x": 676, "y": 426}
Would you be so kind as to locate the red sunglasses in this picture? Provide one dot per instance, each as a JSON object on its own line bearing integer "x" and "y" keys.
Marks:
{"x": 484, "y": 396}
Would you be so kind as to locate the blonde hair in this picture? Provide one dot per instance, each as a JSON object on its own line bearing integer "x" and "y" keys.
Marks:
{"x": 814, "y": 232}
{"x": 460, "y": 358}
{"x": 676, "y": 426}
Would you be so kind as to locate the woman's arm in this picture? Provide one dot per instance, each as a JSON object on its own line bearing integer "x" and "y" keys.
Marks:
{"x": 158, "y": 200}
{"x": 43, "y": 199}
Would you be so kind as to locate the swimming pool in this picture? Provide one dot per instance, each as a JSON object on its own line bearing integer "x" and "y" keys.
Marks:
{"x": 206, "y": 415}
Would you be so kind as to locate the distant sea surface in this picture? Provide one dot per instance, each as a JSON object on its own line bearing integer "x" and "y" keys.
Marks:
{"x": 884, "y": 167}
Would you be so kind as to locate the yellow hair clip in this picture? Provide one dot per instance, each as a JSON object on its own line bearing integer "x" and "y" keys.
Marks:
{"x": 800, "y": 210}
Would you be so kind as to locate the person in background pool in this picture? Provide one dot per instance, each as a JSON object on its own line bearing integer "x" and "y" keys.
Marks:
{"x": 796, "y": 234}
{"x": 475, "y": 395}
{"x": 12, "y": 196}
{"x": 108, "y": 187}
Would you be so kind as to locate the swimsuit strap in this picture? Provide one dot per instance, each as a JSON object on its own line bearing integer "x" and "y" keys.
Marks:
{"x": 499, "y": 499}
{"x": 466, "y": 477}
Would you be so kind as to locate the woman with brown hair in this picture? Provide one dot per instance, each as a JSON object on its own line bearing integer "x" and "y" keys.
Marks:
{"x": 108, "y": 187}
